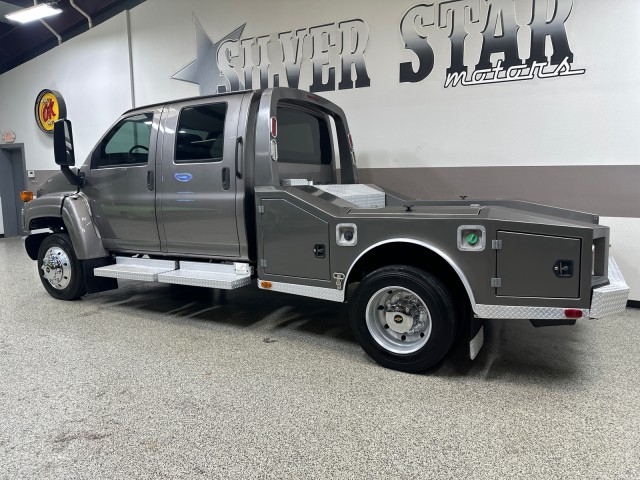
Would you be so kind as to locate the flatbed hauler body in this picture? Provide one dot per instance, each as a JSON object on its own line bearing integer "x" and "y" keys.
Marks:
{"x": 228, "y": 190}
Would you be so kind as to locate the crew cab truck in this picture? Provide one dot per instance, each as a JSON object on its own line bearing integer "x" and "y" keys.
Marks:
{"x": 242, "y": 188}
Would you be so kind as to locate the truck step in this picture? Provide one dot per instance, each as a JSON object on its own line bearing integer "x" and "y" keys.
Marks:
{"x": 211, "y": 275}
{"x": 141, "y": 269}
{"x": 197, "y": 274}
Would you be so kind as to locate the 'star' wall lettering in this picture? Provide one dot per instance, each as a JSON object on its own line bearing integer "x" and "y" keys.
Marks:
{"x": 495, "y": 24}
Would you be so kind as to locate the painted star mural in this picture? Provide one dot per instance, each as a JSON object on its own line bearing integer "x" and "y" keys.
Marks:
{"x": 204, "y": 70}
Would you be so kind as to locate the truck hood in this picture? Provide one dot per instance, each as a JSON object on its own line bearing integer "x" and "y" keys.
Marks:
{"x": 58, "y": 183}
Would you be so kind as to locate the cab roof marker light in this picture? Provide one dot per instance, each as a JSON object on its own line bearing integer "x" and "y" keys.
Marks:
{"x": 36, "y": 12}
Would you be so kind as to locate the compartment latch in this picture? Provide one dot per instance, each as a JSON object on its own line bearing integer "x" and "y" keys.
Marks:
{"x": 563, "y": 268}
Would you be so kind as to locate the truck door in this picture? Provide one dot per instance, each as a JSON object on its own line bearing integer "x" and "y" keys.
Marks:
{"x": 197, "y": 203}
{"x": 122, "y": 184}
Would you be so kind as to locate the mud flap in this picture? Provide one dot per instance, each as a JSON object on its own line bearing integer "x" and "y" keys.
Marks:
{"x": 98, "y": 284}
{"x": 32, "y": 244}
{"x": 476, "y": 336}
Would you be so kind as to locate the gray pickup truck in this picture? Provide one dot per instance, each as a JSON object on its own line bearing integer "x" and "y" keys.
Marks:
{"x": 262, "y": 187}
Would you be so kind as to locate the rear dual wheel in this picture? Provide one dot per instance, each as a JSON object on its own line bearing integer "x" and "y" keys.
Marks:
{"x": 404, "y": 318}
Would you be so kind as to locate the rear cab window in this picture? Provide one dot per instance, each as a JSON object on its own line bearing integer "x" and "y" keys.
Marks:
{"x": 303, "y": 138}
{"x": 305, "y": 149}
{"x": 200, "y": 134}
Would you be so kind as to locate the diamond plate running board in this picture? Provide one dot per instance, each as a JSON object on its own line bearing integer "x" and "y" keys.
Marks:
{"x": 210, "y": 275}
{"x": 141, "y": 269}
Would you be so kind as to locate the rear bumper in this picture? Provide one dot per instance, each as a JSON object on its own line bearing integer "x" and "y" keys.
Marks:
{"x": 612, "y": 298}
{"x": 606, "y": 300}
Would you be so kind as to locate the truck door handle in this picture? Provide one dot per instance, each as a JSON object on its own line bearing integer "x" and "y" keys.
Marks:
{"x": 239, "y": 156}
{"x": 149, "y": 180}
{"x": 319, "y": 250}
{"x": 226, "y": 178}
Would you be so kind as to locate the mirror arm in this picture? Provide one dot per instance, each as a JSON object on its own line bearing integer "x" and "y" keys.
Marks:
{"x": 72, "y": 178}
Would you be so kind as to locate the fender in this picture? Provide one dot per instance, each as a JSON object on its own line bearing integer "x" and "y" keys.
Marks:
{"x": 437, "y": 251}
{"x": 78, "y": 220}
{"x": 41, "y": 213}
{"x": 45, "y": 206}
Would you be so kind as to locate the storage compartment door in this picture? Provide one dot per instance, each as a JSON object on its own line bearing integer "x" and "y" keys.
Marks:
{"x": 538, "y": 266}
{"x": 295, "y": 242}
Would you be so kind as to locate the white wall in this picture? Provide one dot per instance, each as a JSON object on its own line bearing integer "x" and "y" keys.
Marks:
{"x": 581, "y": 120}
{"x": 625, "y": 233}
{"x": 92, "y": 73}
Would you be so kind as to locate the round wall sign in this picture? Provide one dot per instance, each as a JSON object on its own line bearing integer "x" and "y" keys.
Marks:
{"x": 49, "y": 107}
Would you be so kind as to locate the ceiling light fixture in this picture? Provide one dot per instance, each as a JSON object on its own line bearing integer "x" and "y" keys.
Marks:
{"x": 36, "y": 12}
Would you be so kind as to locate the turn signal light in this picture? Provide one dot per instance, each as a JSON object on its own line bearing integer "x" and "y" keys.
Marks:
{"x": 573, "y": 313}
{"x": 266, "y": 285}
{"x": 26, "y": 196}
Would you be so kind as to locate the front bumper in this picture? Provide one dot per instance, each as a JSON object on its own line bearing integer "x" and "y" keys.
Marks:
{"x": 607, "y": 300}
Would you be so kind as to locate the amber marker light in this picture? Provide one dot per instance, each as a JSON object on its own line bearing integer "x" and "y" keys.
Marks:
{"x": 265, "y": 284}
{"x": 26, "y": 196}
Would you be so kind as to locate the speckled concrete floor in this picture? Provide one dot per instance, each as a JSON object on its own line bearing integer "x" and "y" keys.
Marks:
{"x": 152, "y": 381}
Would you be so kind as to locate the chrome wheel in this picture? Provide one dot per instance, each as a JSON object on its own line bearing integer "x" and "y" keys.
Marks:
{"x": 403, "y": 317}
{"x": 398, "y": 320}
{"x": 56, "y": 268}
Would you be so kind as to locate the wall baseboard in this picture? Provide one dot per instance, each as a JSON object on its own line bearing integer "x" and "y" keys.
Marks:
{"x": 633, "y": 304}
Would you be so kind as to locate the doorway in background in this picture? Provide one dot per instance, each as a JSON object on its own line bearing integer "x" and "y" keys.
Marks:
{"x": 13, "y": 176}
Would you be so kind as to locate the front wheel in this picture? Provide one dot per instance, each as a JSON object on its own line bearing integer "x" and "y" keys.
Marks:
{"x": 404, "y": 318}
{"x": 60, "y": 270}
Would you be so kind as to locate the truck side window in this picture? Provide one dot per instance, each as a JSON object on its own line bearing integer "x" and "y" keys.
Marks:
{"x": 303, "y": 138}
{"x": 200, "y": 135}
{"x": 126, "y": 144}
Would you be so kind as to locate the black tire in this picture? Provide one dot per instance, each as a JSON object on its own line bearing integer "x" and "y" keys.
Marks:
{"x": 63, "y": 275}
{"x": 411, "y": 351}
